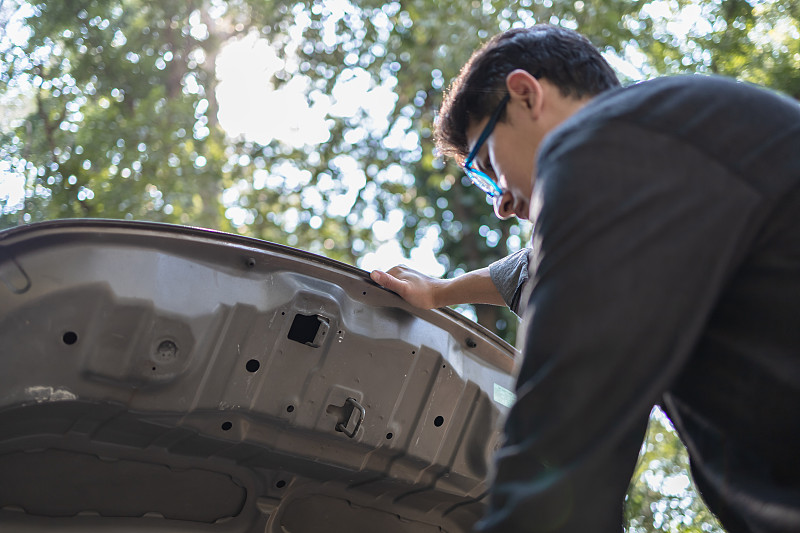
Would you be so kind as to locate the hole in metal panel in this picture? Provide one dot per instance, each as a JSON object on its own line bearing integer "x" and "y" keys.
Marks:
{"x": 70, "y": 337}
{"x": 167, "y": 350}
{"x": 438, "y": 421}
{"x": 252, "y": 365}
{"x": 289, "y": 408}
{"x": 227, "y": 425}
{"x": 280, "y": 484}
{"x": 389, "y": 436}
{"x": 305, "y": 329}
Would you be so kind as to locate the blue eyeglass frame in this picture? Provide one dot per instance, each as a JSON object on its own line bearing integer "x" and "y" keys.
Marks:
{"x": 481, "y": 179}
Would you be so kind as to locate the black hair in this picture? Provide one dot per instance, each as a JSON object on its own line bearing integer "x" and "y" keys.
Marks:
{"x": 565, "y": 58}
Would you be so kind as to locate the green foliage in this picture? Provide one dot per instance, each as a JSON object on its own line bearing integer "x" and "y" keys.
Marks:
{"x": 113, "y": 133}
{"x": 662, "y": 496}
{"x": 109, "y": 109}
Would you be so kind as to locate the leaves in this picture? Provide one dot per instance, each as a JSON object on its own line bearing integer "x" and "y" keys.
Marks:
{"x": 115, "y": 108}
{"x": 662, "y": 496}
{"x": 126, "y": 119}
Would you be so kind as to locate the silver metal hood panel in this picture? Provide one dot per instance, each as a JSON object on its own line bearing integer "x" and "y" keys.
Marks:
{"x": 165, "y": 378}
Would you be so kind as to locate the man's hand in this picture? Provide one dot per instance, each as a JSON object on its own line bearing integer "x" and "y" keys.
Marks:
{"x": 414, "y": 287}
{"x": 425, "y": 292}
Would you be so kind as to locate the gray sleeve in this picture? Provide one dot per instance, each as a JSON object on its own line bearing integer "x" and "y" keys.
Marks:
{"x": 509, "y": 276}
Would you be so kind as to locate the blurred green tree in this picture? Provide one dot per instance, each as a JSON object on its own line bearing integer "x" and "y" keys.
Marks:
{"x": 662, "y": 496}
{"x": 114, "y": 108}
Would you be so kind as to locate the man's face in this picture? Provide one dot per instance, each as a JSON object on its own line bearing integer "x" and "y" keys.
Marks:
{"x": 508, "y": 155}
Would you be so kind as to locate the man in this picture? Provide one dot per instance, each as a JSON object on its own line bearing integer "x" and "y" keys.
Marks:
{"x": 665, "y": 268}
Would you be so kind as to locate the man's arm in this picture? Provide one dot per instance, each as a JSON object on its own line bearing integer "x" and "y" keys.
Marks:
{"x": 426, "y": 292}
{"x": 500, "y": 283}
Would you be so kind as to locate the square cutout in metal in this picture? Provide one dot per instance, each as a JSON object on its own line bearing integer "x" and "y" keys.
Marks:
{"x": 309, "y": 329}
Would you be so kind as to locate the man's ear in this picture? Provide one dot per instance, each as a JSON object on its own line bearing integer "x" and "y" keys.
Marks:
{"x": 527, "y": 90}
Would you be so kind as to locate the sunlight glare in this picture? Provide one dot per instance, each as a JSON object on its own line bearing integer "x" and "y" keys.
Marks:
{"x": 390, "y": 254}
{"x": 250, "y": 106}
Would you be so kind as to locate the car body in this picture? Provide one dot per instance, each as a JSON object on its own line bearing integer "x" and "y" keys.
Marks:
{"x": 165, "y": 378}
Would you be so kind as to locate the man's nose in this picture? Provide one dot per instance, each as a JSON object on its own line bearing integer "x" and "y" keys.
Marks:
{"x": 504, "y": 206}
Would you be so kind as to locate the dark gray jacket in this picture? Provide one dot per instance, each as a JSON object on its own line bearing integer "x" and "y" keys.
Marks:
{"x": 665, "y": 269}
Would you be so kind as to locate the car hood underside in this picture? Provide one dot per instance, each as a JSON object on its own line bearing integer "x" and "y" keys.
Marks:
{"x": 165, "y": 378}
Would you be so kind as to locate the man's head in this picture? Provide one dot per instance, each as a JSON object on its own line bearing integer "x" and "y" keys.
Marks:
{"x": 539, "y": 68}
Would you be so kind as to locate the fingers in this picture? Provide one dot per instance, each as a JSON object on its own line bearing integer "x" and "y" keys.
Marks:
{"x": 386, "y": 280}
{"x": 414, "y": 287}
{"x": 399, "y": 271}
{"x": 394, "y": 277}
{"x": 379, "y": 277}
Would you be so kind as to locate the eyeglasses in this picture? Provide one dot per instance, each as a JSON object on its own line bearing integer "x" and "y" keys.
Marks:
{"x": 478, "y": 177}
